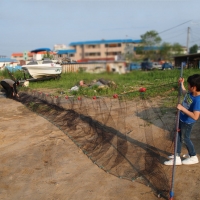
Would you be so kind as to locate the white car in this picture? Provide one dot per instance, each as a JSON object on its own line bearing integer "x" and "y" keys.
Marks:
{"x": 156, "y": 65}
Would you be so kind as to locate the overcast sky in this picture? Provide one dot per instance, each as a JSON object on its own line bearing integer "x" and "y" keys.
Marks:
{"x": 29, "y": 24}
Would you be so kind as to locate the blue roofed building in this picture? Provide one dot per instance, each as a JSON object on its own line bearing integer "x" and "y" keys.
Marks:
{"x": 65, "y": 54}
{"x": 66, "y": 51}
{"x": 92, "y": 50}
{"x": 101, "y": 49}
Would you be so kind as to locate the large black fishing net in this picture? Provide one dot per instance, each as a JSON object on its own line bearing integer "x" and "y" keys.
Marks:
{"x": 127, "y": 137}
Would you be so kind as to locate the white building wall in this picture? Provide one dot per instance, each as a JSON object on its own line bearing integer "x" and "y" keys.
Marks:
{"x": 99, "y": 67}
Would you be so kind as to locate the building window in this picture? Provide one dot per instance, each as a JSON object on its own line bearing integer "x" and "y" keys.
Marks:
{"x": 92, "y": 46}
{"x": 113, "y": 53}
{"x": 113, "y": 45}
{"x": 92, "y": 54}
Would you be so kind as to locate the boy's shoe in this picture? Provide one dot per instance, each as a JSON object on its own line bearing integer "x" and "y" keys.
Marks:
{"x": 171, "y": 157}
{"x": 171, "y": 162}
{"x": 184, "y": 156}
{"x": 191, "y": 160}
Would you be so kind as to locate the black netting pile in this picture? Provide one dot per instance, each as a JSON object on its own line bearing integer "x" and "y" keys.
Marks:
{"x": 127, "y": 138}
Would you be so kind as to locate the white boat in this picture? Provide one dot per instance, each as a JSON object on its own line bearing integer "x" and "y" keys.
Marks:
{"x": 39, "y": 69}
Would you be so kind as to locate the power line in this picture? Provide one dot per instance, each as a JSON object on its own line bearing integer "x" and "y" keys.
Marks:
{"x": 195, "y": 37}
{"x": 196, "y": 34}
{"x": 175, "y": 31}
{"x": 174, "y": 27}
{"x": 174, "y": 36}
{"x": 195, "y": 41}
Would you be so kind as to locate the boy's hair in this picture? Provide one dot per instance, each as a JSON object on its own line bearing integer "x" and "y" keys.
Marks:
{"x": 194, "y": 80}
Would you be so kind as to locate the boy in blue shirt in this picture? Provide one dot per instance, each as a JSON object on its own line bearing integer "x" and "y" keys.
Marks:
{"x": 189, "y": 114}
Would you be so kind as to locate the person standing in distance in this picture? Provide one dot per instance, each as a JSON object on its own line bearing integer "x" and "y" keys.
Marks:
{"x": 189, "y": 114}
{"x": 10, "y": 88}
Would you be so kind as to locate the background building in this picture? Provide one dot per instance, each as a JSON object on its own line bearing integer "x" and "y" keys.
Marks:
{"x": 101, "y": 49}
{"x": 97, "y": 50}
{"x": 189, "y": 60}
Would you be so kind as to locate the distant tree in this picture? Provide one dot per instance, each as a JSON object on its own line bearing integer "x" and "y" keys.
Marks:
{"x": 150, "y": 40}
{"x": 177, "y": 49}
{"x": 140, "y": 50}
{"x": 165, "y": 51}
{"x": 127, "y": 57}
{"x": 128, "y": 53}
{"x": 193, "y": 49}
{"x": 151, "y": 49}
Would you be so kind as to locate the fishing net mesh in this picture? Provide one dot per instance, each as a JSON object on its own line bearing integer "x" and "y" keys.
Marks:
{"x": 126, "y": 137}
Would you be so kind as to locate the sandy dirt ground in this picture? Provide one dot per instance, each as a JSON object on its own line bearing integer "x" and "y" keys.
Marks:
{"x": 38, "y": 161}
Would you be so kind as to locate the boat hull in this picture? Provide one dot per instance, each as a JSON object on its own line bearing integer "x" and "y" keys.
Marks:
{"x": 43, "y": 70}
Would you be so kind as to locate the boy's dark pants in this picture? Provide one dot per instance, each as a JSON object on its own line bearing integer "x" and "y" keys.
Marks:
{"x": 8, "y": 89}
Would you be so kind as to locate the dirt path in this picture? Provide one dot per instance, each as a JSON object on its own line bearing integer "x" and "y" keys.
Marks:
{"x": 38, "y": 161}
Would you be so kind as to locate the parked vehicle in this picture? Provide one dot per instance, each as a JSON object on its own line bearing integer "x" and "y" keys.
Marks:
{"x": 146, "y": 65}
{"x": 156, "y": 65}
{"x": 134, "y": 66}
{"x": 46, "y": 68}
{"x": 167, "y": 66}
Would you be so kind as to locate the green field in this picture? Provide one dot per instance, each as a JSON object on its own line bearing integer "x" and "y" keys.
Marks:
{"x": 157, "y": 83}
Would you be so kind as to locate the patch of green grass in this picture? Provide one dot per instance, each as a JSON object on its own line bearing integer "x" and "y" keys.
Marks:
{"x": 33, "y": 106}
{"x": 157, "y": 83}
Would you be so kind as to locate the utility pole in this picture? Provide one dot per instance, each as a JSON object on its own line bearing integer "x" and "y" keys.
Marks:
{"x": 188, "y": 38}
